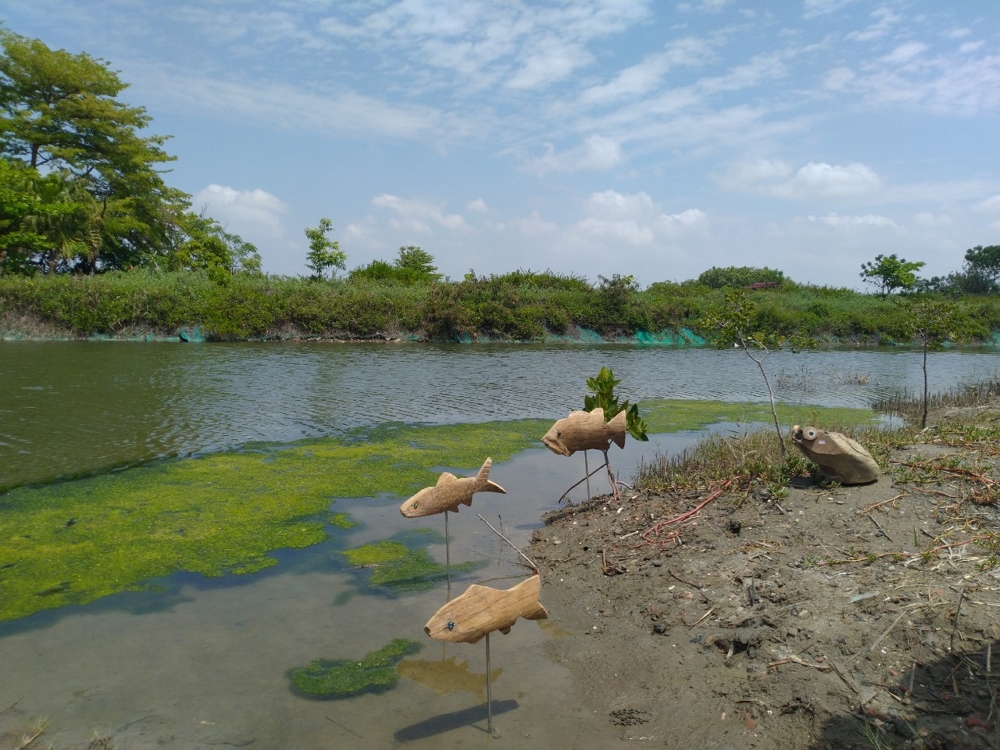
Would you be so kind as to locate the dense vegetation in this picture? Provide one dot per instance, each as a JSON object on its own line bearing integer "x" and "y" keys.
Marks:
{"x": 515, "y": 306}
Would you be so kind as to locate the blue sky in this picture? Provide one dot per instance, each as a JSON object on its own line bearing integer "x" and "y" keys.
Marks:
{"x": 588, "y": 137}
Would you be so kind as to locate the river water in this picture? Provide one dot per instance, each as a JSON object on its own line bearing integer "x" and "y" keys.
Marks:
{"x": 71, "y": 408}
{"x": 201, "y": 663}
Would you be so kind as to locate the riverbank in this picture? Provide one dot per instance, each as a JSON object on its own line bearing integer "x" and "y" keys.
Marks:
{"x": 521, "y": 307}
{"x": 785, "y": 613}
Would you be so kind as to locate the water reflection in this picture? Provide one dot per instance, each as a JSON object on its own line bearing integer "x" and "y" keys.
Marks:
{"x": 71, "y": 408}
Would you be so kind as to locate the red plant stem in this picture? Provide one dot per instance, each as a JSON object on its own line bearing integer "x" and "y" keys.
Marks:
{"x": 684, "y": 516}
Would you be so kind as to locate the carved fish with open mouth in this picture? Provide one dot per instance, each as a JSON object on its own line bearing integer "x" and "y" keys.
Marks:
{"x": 450, "y": 492}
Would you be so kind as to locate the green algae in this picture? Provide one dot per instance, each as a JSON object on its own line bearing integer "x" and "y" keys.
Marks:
{"x": 672, "y": 415}
{"x": 342, "y": 521}
{"x": 343, "y": 678}
{"x": 76, "y": 541}
{"x": 396, "y": 568}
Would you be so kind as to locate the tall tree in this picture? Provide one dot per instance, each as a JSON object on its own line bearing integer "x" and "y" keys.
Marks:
{"x": 59, "y": 113}
{"x": 887, "y": 273}
{"x": 324, "y": 254}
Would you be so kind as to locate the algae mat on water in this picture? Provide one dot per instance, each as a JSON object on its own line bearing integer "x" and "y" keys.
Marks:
{"x": 672, "y": 415}
{"x": 73, "y": 542}
{"x": 342, "y": 678}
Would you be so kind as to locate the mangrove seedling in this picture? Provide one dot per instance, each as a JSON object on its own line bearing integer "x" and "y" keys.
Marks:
{"x": 343, "y": 678}
{"x": 603, "y": 396}
{"x": 932, "y": 322}
{"x": 735, "y": 323}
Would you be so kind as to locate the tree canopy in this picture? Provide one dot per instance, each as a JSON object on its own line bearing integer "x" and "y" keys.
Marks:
{"x": 740, "y": 276}
{"x": 887, "y": 273}
{"x": 83, "y": 189}
{"x": 413, "y": 265}
{"x": 324, "y": 254}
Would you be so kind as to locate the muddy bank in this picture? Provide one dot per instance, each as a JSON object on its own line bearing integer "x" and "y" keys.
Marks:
{"x": 826, "y": 618}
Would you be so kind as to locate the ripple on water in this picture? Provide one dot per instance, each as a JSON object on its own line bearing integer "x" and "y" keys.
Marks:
{"x": 126, "y": 403}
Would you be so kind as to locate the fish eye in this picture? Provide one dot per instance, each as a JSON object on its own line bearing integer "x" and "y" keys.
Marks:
{"x": 416, "y": 505}
{"x": 451, "y": 625}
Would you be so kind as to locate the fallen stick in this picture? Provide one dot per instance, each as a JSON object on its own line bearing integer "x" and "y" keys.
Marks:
{"x": 687, "y": 583}
{"x": 884, "y": 502}
{"x": 879, "y": 526}
{"x": 531, "y": 562}
{"x": 879, "y": 639}
{"x": 703, "y": 618}
{"x": 797, "y": 660}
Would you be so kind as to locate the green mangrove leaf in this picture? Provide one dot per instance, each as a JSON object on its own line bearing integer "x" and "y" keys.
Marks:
{"x": 342, "y": 678}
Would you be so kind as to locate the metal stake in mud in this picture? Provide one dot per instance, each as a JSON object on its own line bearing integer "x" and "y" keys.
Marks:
{"x": 586, "y": 470}
{"x": 447, "y": 553}
{"x": 489, "y": 690}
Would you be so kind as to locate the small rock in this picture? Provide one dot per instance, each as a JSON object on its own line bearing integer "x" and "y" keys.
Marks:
{"x": 659, "y": 628}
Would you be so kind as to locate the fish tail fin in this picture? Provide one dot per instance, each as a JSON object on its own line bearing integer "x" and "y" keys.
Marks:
{"x": 536, "y": 613}
{"x": 618, "y": 423}
{"x": 484, "y": 470}
{"x": 483, "y": 477}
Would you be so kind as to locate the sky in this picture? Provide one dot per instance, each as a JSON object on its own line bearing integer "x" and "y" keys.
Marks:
{"x": 586, "y": 137}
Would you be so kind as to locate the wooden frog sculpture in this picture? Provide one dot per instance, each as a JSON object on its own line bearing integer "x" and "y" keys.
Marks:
{"x": 840, "y": 458}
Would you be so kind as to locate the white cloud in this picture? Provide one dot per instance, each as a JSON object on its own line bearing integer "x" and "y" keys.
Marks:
{"x": 814, "y": 8}
{"x": 748, "y": 174}
{"x": 346, "y": 113}
{"x": 957, "y": 33}
{"x": 595, "y": 153}
{"x": 990, "y": 205}
{"x": 886, "y": 18}
{"x": 635, "y": 219}
{"x": 647, "y": 75}
{"x": 551, "y": 60}
{"x": 417, "y": 215}
{"x": 931, "y": 221}
{"x": 478, "y": 205}
{"x": 970, "y": 46}
{"x": 829, "y": 181}
{"x": 242, "y": 211}
{"x": 905, "y": 53}
{"x": 840, "y": 220}
{"x": 837, "y": 78}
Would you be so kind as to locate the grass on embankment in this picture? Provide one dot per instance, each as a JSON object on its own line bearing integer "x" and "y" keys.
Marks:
{"x": 519, "y": 306}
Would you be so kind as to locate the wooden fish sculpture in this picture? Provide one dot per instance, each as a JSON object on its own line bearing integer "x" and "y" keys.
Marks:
{"x": 481, "y": 610}
{"x": 449, "y": 493}
{"x": 585, "y": 430}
